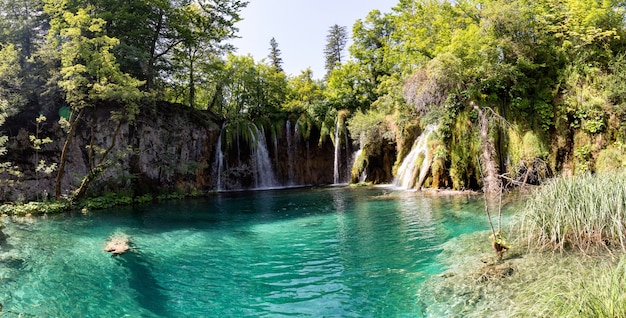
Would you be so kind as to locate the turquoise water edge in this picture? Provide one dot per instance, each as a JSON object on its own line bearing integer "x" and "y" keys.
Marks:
{"x": 321, "y": 252}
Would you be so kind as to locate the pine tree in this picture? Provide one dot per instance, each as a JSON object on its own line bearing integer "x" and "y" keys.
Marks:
{"x": 336, "y": 41}
{"x": 275, "y": 60}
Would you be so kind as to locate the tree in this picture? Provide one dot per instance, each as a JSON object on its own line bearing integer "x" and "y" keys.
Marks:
{"x": 90, "y": 75}
{"x": 155, "y": 35}
{"x": 275, "y": 60}
{"x": 10, "y": 80}
{"x": 204, "y": 28}
{"x": 350, "y": 87}
{"x": 303, "y": 92}
{"x": 9, "y": 83}
{"x": 336, "y": 41}
{"x": 23, "y": 23}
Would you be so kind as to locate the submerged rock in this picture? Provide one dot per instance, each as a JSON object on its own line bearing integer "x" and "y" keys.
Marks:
{"x": 118, "y": 245}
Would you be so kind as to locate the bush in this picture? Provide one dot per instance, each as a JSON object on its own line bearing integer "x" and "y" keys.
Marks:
{"x": 610, "y": 159}
{"x": 34, "y": 208}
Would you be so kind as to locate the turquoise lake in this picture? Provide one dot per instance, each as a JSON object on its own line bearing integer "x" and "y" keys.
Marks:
{"x": 314, "y": 252}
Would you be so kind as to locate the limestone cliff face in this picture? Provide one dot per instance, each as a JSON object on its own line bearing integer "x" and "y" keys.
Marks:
{"x": 167, "y": 148}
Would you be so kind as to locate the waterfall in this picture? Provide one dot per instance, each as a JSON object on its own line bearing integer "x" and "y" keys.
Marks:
{"x": 412, "y": 169}
{"x": 357, "y": 158}
{"x": 337, "y": 155}
{"x": 290, "y": 158}
{"x": 299, "y": 176}
{"x": 275, "y": 147}
{"x": 219, "y": 160}
{"x": 263, "y": 173}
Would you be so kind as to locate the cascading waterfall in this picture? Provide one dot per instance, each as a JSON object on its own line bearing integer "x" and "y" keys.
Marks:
{"x": 290, "y": 157}
{"x": 349, "y": 159}
{"x": 263, "y": 172}
{"x": 275, "y": 147}
{"x": 413, "y": 170}
{"x": 219, "y": 160}
{"x": 296, "y": 147}
{"x": 337, "y": 155}
{"x": 360, "y": 160}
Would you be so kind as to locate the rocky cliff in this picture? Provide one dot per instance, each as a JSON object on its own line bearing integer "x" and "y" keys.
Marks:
{"x": 167, "y": 148}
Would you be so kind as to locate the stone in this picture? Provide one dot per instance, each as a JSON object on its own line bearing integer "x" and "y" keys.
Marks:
{"x": 118, "y": 245}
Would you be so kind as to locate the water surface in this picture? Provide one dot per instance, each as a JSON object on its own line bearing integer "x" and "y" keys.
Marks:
{"x": 325, "y": 252}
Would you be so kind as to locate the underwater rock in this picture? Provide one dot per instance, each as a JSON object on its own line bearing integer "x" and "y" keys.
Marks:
{"x": 118, "y": 245}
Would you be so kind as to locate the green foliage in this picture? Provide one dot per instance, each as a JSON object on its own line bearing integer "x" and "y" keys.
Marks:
{"x": 11, "y": 97}
{"x": 251, "y": 90}
{"x": 583, "y": 156}
{"x": 35, "y": 208}
{"x": 585, "y": 100}
{"x": 88, "y": 67}
{"x": 611, "y": 159}
{"x": 463, "y": 152}
{"x": 581, "y": 212}
{"x": 372, "y": 128}
{"x": 350, "y": 87}
{"x": 525, "y": 147}
{"x": 9, "y": 100}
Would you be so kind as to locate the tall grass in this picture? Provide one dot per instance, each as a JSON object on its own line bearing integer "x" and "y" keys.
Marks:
{"x": 581, "y": 212}
{"x": 575, "y": 289}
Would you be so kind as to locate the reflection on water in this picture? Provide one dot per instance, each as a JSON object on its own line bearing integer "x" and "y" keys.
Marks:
{"x": 322, "y": 252}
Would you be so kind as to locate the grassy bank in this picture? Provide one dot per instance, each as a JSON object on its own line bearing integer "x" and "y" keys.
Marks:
{"x": 567, "y": 258}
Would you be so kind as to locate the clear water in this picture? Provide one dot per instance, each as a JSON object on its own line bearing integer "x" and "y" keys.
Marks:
{"x": 328, "y": 252}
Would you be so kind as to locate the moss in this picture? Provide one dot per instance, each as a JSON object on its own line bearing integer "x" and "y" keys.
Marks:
{"x": 583, "y": 153}
{"x": 438, "y": 167}
{"x": 525, "y": 146}
{"x": 464, "y": 149}
{"x": 359, "y": 165}
{"x": 610, "y": 159}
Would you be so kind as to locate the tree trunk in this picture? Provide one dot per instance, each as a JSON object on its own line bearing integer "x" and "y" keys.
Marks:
{"x": 66, "y": 148}
{"x": 491, "y": 181}
{"x": 192, "y": 84}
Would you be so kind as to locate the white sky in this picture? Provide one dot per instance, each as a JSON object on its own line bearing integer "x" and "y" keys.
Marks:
{"x": 300, "y": 28}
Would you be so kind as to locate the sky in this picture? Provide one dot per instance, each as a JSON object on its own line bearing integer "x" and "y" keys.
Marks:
{"x": 300, "y": 28}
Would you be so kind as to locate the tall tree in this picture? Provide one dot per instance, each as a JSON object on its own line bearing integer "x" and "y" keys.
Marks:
{"x": 9, "y": 83}
{"x": 90, "y": 75}
{"x": 206, "y": 26}
{"x": 155, "y": 35}
{"x": 336, "y": 41}
{"x": 23, "y": 23}
{"x": 276, "y": 61}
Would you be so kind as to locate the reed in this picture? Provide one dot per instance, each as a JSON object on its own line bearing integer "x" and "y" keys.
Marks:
{"x": 582, "y": 212}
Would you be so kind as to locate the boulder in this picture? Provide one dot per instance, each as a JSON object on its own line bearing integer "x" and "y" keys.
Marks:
{"x": 118, "y": 245}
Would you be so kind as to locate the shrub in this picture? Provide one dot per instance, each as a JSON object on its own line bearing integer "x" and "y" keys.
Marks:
{"x": 610, "y": 159}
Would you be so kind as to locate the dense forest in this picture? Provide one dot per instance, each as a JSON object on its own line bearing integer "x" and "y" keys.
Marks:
{"x": 518, "y": 90}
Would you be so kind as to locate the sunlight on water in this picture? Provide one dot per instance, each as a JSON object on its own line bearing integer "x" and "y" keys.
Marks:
{"x": 332, "y": 252}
